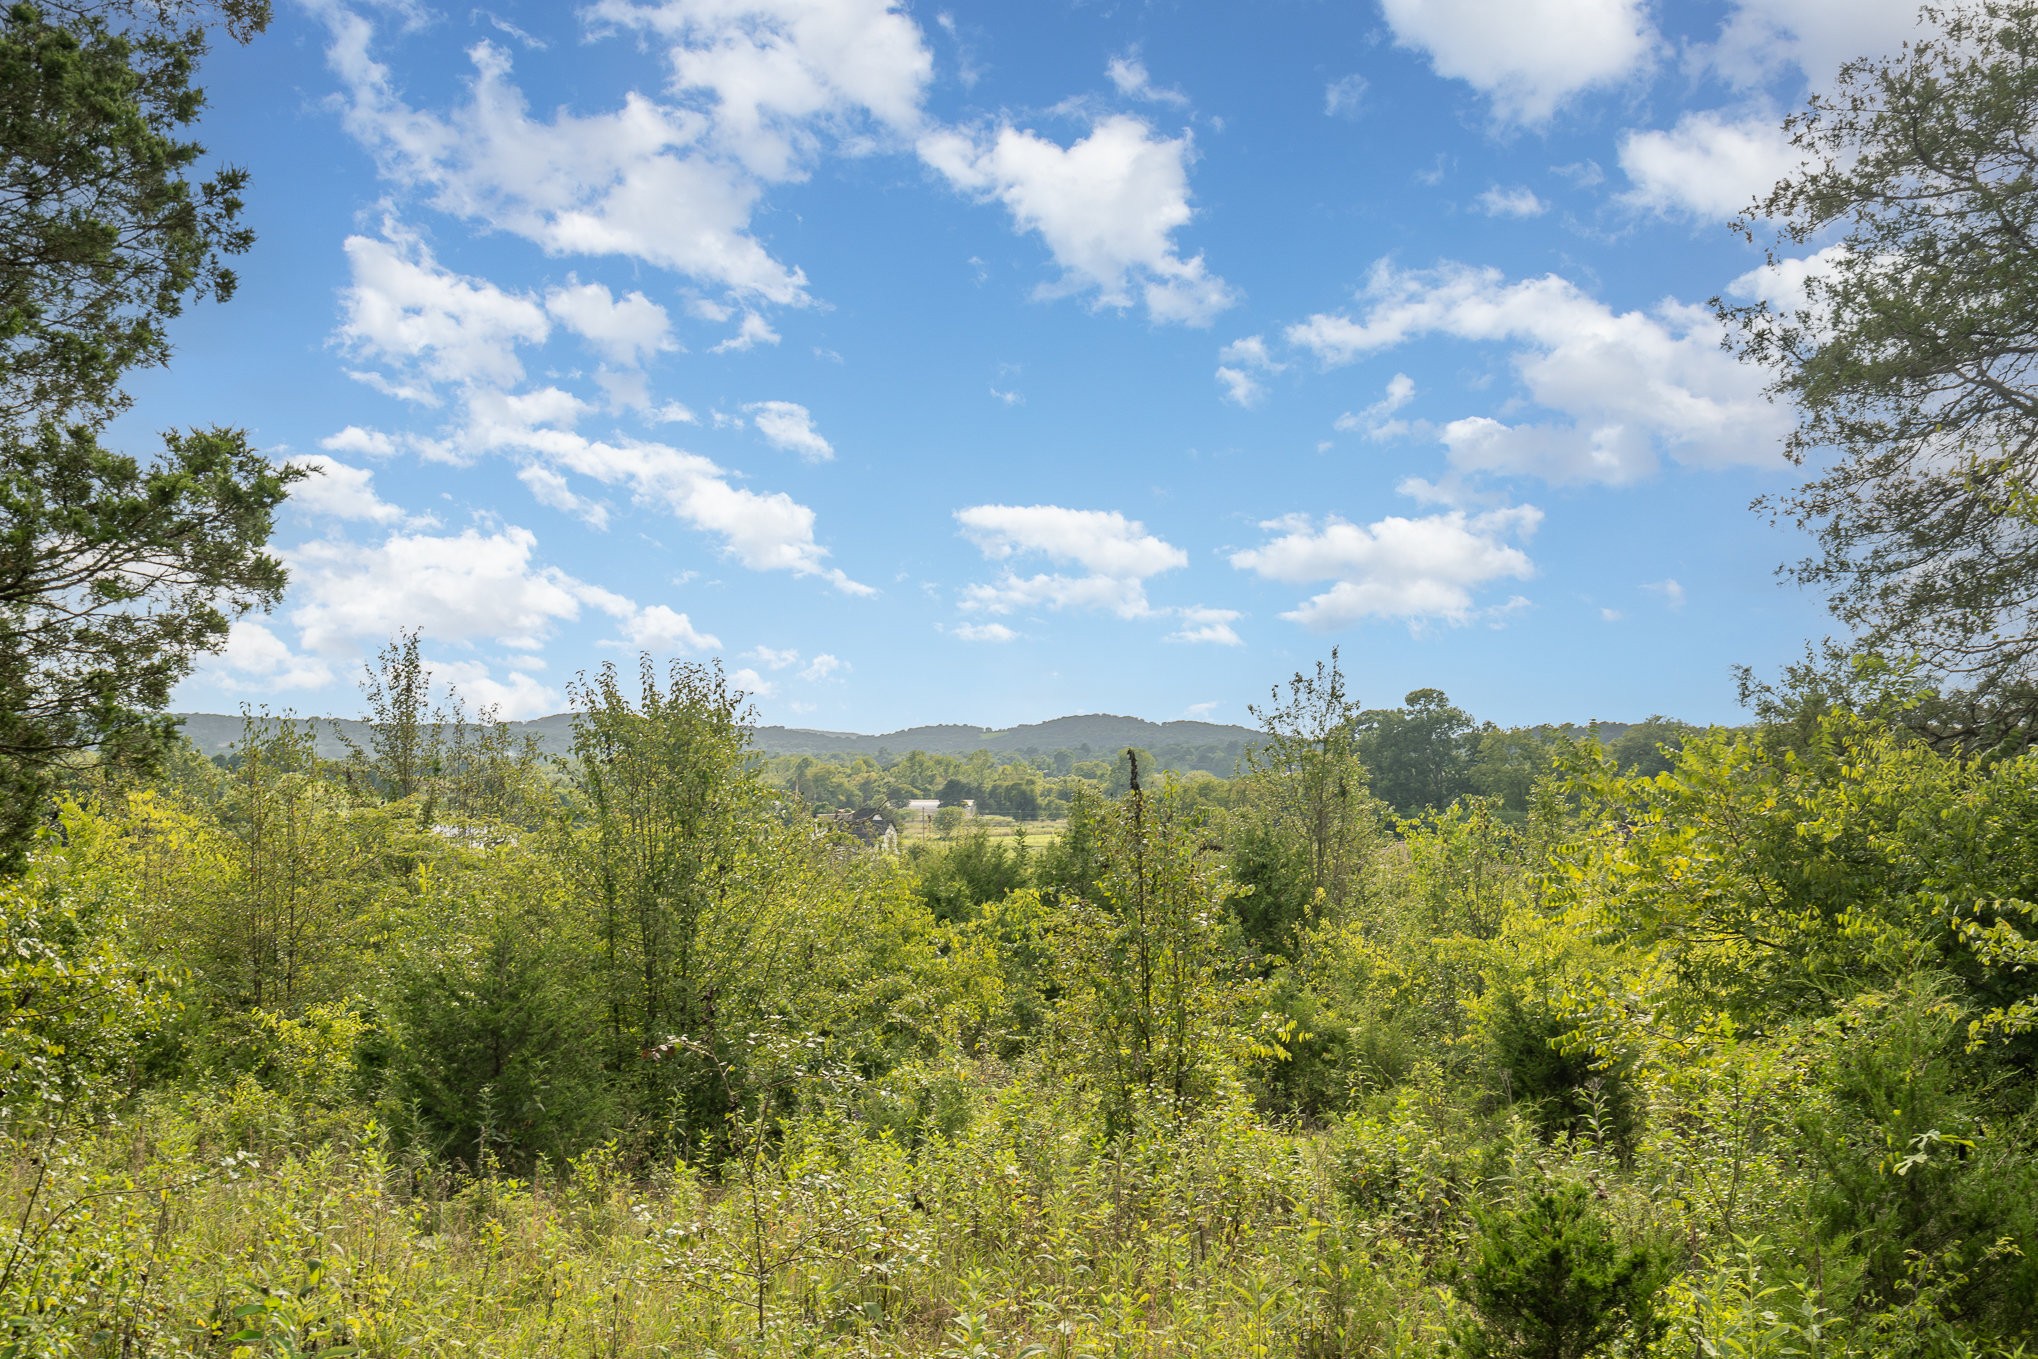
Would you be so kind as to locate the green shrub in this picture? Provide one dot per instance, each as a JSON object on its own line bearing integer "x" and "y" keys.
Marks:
{"x": 1551, "y": 1279}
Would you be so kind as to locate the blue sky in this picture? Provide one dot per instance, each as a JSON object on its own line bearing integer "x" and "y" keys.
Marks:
{"x": 993, "y": 362}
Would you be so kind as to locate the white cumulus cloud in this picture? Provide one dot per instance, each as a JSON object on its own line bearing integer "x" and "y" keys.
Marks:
{"x": 765, "y": 531}
{"x": 1241, "y": 365}
{"x": 1200, "y": 624}
{"x": 1617, "y": 388}
{"x": 1513, "y": 201}
{"x": 1527, "y": 56}
{"x": 658, "y": 628}
{"x": 473, "y": 586}
{"x": 625, "y": 330}
{"x": 371, "y": 443}
{"x": 338, "y": 491}
{"x": 1409, "y": 569}
{"x": 1708, "y": 166}
{"x": 256, "y": 660}
{"x": 789, "y": 425}
{"x": 1816, "y": 36}
{"x": 822, "y": 667}
{"x": 513, "y": 698}
{"x": 1107, "y": 206}
{"x": 751, "y": 332}
{"x": 430, "y": 325}
{"x": 1116, "y": 556}
{"x": 1376, "y": 421}
{"x": 1129, "y": 77}
{"x": 778, "y": 78}
{"x": 638, "y": 181}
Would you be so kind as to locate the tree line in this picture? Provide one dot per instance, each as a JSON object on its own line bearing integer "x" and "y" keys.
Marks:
{"x": 1420, "y": 756}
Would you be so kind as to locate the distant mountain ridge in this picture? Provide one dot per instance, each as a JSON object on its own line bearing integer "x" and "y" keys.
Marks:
{"x": 1101, "y": 733}
{"x": 1097, "y": 734}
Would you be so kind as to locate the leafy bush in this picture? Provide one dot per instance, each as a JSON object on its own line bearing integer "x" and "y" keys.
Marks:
{"x": 1551, "y": 1278}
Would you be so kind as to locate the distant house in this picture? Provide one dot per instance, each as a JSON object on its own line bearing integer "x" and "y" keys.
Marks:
{"x": 867, "y": 824}
{"x": 925, "y": 806}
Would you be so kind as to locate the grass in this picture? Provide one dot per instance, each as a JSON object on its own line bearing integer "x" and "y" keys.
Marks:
{"x": 916, "y": 826}
{"x": 1022, "y": 1235}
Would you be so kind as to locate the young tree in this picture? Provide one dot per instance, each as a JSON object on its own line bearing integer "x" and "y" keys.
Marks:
{"x": 676, "y": 859}
{"x": 274, "y": 930}
{"x": 1148, "y": 948}
{"x": 1912, "y": 356}
{"x": 406, "y": 735}
{"x": 1306, "y": 821}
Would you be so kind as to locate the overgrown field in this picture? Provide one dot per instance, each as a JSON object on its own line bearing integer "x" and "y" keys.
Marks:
{"x": 437, "y": 1050}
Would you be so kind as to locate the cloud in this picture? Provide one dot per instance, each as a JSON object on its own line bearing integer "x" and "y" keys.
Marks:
{"x": 1129, "y": 76}
{"x": 1516, "y": 201}
{"x": 1104, "y": 541}
{"x": 1240, "y": 365}
{"x": 553, "y": 491}
{"x": 789, "y": 425}
{"x": 1761, "y": 37}
{"x": 822, "y": 667}
{"x": 517, "y": 698}
{"x": 472, "y": 586}
{"x": 338, "y": 491}
{"x": 1623, "y": 387}
{"x": 753, "y": 331}
{"x": 1670, "y": 590}
{"x": 256, "y": 660}
{"x": 1201, "y": 624}
{"x": 1344, "y": 97}
{"x": 626, "y": 330}
{"x": 776, "y": 79}
{"x": 1708, "y": 166}
{"x": 429, "y": 324}
{"x": 1240, "y": 387}
{"x": 1107, "y": 207}
{"x": 1203, "y": 709}
{"x": 1412, "y": 569}
{"x": 371, "y": 443}
{"x": 1527, "y": 56}
{"x": 765, "y": 532}
{"x": 640, "y": 181}
{"x": 658, "y": 628}
{"x": 1117, "y": 553}
{"x": 1374, "y": 421}
{"x": 749, "y": 684}
{"x": 1790, "y": 286}
{"x": 983, "y": 632}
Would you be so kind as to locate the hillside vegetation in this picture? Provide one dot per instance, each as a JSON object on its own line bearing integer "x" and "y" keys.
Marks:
{"x": 441, "y": 1048}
